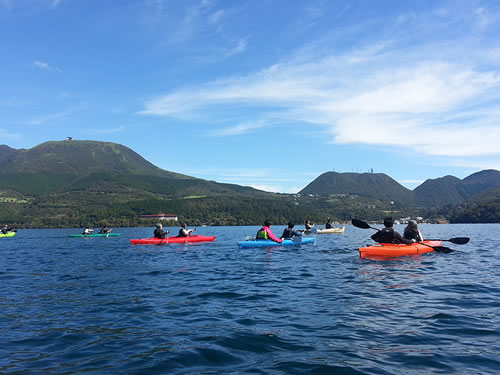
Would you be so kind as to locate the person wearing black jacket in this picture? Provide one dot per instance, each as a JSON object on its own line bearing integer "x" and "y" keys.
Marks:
{"x": 289, "y": 232}
{"x": 159, "y": 232}
{"x": 6, "y": 229}
{"x": 389, "y": 235}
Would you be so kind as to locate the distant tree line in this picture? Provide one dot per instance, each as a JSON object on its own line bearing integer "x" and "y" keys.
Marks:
{"x": 79, "y": 210}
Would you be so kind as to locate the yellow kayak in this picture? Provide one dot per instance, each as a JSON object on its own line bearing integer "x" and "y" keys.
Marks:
{"x": 8, "y": 234}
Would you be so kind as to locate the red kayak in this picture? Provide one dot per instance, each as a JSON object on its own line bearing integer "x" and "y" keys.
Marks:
{"x": 385, "y": 250}
{"x": 166, "y": 240}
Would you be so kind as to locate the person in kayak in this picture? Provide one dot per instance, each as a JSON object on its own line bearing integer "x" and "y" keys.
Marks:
{"x": 87, "y": 231}
{"x": 265, "y": 233}
{"x": 104, "y": 230}
{"x": 412, "y": 233}
{"x": 6, "y": 229}
{"x": 159, "y": 232}
{"x": 389, "y": 235}
{"x": 184, "y": 232}
{"x": 289, "y": 232}
{"x": 308, "y": 225}
{"x": 328, "y": 224}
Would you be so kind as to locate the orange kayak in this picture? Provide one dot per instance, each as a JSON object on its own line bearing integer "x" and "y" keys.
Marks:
{"x": 386, "y": 250}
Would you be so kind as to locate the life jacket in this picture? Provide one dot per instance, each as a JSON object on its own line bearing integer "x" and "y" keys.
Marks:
{"x": 384, "y": 235}
{"x": 413, "y": 235}
{"x": 158, "y": 233}
{"x": 262, "y": 234}
{"x": 288, "y": 233}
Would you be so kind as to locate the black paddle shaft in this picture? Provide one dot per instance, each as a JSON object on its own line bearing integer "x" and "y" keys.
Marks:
{"x": 456, "y": 240}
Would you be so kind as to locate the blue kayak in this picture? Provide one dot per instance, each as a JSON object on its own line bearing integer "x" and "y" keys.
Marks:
{"x": 267, "y": 243}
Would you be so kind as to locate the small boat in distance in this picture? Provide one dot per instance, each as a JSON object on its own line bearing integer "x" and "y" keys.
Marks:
{"x": 336, "y": 230}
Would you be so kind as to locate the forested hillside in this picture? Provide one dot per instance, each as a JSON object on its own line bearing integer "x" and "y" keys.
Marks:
{"x": 79, "y": 183}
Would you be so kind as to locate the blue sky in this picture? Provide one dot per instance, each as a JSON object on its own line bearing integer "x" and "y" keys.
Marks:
{"x": 268, "y": 93}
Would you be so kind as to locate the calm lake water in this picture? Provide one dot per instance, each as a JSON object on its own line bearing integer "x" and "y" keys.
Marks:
{"x": 102, "y": 306}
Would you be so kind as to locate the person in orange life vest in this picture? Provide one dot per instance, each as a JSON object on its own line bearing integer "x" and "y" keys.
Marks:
{"x": 265, "y": 233}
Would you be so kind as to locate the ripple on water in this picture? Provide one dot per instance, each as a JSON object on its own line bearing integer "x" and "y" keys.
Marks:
{"x": 106, "y": 307}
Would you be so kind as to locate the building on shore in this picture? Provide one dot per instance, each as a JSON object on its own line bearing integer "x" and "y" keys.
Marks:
{"x": 160, "y": 216}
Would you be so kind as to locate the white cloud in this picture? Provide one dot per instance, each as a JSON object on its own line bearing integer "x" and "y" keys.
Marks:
{"x": 243, "y": 128}
{"x": 44, "y": 66}
{"x": 437, "y": 97}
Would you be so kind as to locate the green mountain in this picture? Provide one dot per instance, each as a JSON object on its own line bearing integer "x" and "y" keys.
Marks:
{"x": 56, "y": 167}
{"x": 483, "y": 180}
{"x": 450, "y": 190}
{"x": 78, "y": 183}
{"x": 441, "y": 192}
{"x": 483, "y": 207}
{"x": 374, "y": 185}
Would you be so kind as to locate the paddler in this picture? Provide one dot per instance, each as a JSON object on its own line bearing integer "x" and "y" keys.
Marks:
{"x": 159, "y": 232}
{"x": 265, "y": 233}
{"x": 87, "y": 231}
{"x": 389, "y": 235}
{"x": 184, "y": 232}
{"x": 5, "y": 229}
{"x": 104, "y": 230}
{"x": 308, "y": 225}
{"x": 289, "y": 232}
{"x": 412, "y": 233}
{"x": 328, "y": 224}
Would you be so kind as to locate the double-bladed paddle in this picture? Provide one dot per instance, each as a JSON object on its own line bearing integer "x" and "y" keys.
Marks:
{"x": 361, "y": 224}
{"x": 440, "y": 249}
{"x": 455, "y": 240}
